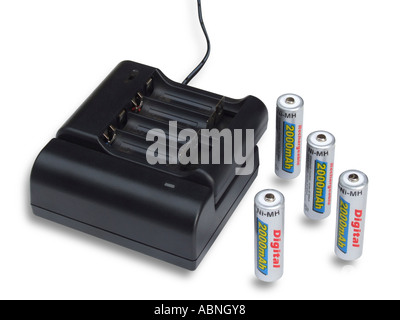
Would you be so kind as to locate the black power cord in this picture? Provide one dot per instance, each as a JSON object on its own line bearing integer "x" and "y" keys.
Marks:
{"x": 203, "y": 62}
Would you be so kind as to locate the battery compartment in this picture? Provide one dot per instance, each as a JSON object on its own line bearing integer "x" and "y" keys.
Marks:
{"x": 154, "y": 106}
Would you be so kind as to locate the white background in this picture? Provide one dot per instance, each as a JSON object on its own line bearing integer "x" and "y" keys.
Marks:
{"x": 342, "y": 57}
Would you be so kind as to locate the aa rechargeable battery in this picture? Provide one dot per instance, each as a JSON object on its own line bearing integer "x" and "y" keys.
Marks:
{"x": 269, "y": 209}
{"x": 289, "y": 129}
{"x": 351, "y": 214}
{"x": 319, "y": 175}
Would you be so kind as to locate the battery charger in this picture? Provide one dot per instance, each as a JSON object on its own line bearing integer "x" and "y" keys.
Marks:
{"x": 95, "y": 177}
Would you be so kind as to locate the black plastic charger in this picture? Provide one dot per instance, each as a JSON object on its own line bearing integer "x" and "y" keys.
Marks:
{"x": 94, "y": 176}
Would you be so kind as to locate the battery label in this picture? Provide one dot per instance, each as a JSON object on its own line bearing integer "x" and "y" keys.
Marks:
{"x": 262, "y": 245}
{"x": 289, "y": 131}
{"x": 343, "y": 225}
{"x": 320, "y": 182}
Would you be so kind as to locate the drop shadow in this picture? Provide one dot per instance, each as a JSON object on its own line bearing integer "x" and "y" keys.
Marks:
{"x": 339, "y": 263}
{"x": 305, "y": 221}
{"x": 279, "y": 182}
{"x": 261, "y": 285}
